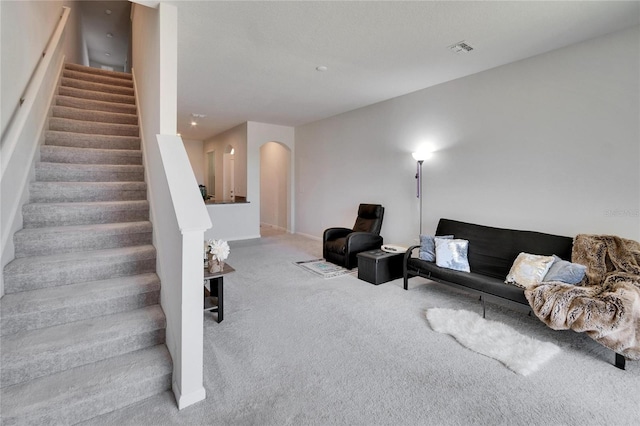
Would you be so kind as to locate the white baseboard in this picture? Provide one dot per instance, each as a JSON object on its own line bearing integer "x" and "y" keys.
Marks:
{"x": 186, "y": 400}
{"x": 313, "y": 237}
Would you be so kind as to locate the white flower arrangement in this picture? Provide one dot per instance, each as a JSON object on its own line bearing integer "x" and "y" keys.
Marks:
{"x": 218, "y": 248}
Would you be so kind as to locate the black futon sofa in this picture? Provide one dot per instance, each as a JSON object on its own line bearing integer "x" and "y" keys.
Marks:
{"x": 491, "y": 254}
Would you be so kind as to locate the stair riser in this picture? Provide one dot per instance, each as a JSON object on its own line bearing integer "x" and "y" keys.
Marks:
{"x": 76, "y": 272}
{"x": 98, "y": 71}
{"x": 89, "y": 390}
{"x": 97, "y": 96}
{"x": 47, "y": 363}
{"x": 79, "y": 140}
{"x": 97, "y": 87}
{"x": 94, "y": 116}
{"x": 75, "y": 243}
{"x": 50, "y": 175}
{"x": 75, "y": 126}
{"x": 41, "y": 216}
{"x": 97, "y": 78}
{"x": 134, "y": 393}
{"x": 77, "y": 196}
{"x": 61, "y": 192}
{"x": 89, "y": 104}
{"x": 78, "y": 312}
{"x": 79, "y": 410}
{"x": 70, "y": 155}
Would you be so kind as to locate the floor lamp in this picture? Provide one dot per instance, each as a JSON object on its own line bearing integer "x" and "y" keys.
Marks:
{"x": 419, "y": 157}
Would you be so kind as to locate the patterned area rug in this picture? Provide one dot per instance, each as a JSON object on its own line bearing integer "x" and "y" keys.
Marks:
{"x": 324, "y": 269}
{"x": 518, "y": 352}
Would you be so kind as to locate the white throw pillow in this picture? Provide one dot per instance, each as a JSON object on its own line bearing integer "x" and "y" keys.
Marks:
{"x": 452, "y": 254}
{"x": 528, "y": 270}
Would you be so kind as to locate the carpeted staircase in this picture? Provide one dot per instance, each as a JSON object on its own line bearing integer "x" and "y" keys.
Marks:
{"x": 82, "y": 331}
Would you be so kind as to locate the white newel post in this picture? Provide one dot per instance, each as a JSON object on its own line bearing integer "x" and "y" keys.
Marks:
{"x": 190, "y": 384}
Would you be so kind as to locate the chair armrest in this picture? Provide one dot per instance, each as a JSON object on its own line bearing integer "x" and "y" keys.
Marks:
{"x": 360, "y": 241}
{"x": 335, "y": 233}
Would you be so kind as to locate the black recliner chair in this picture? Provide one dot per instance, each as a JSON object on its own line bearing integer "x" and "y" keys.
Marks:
{"x": 341, "y": 245}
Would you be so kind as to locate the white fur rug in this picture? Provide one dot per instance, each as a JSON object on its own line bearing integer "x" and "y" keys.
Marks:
{"x": 520, "y": 353}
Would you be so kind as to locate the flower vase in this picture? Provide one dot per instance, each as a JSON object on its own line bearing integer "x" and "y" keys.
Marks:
{"x": 215, "y": 265}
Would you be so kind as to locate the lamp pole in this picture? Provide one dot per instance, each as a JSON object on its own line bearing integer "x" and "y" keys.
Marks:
{"x": 419, "y": 190}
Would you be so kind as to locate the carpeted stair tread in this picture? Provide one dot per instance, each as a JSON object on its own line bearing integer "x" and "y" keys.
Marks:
{"x": 35, "y": 353}
{"x": 81, "y": 238}
{"x": 92, "y": 115}
{"x": 86, "y": 191}
{"x": 79, "y": 126}
{"x": 68, "y": 172}
{"x": 98, "y": 71}
{"x": 34, "y": 272}
{"x": 96, "y": 87}
{"x": 72, "y": 155}
{"x": 81, "y": 140}
{"x": 97, "y": 78}
{"x": 89, "y": 104}
{"x": 82, "y": 393}
{"x": 84, "y": 213}
{"x": 29, "y": 310}
{"x": 98, "y": 96}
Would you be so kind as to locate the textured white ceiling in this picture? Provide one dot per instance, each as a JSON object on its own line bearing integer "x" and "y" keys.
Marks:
{"x": 256, "y": 61}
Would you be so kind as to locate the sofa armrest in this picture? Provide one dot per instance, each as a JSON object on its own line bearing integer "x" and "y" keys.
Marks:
{"x": 405, "y": 261}
{"x": 408, "y": 253}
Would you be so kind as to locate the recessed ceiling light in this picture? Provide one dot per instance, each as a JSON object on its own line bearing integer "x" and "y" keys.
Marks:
{"x": 107, "y": 54}
{"x": 321, "y": 68}
{"x": 107, "y": 11}
{"x": 109, "y": 35}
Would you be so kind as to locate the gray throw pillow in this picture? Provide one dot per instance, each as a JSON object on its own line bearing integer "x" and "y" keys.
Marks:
{"x": 428, "y": 247}
{"x": 565, "y": 272}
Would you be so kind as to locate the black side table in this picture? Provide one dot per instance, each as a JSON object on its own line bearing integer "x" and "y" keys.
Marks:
{"x": 214, "y": 299}
{"x": 379, "y": 266}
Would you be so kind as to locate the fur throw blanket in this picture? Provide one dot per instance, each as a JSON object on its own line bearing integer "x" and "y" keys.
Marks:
{"x": 606, "y": 304}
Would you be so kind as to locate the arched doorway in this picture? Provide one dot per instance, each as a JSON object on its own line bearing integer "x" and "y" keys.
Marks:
{"x": 275, "y": 184}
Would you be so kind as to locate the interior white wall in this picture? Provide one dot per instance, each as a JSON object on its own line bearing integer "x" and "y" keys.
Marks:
{"x": 74, "y": 38}
{"x": 22, "y": 137}
{"x": 195, "y": 152}
{"x": 550, "y": 143}
{"x": 24, "y": 33}
{"x": 275, "y": 163}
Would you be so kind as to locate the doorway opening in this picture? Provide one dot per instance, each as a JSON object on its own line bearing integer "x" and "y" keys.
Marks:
{"x": 275, "y": 184}
{"x": 211, "y": 174}
{"x": 228, "y": 174}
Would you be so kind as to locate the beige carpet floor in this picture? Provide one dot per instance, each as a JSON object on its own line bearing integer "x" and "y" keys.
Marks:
{"x": 295, "y": 349}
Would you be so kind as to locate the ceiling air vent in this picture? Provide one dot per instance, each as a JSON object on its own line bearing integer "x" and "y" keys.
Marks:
{"x": 461, "y": 47}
